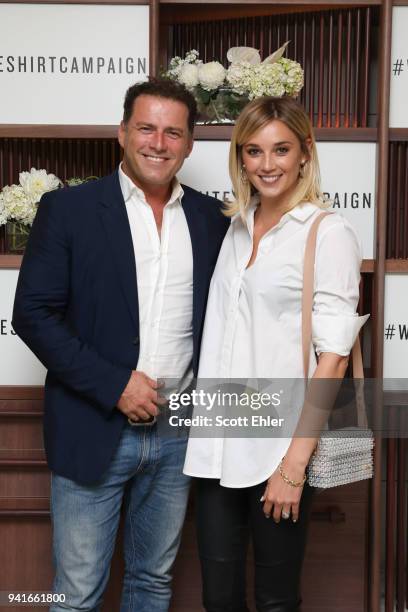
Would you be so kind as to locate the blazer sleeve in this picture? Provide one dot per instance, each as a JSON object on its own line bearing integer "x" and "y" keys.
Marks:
{"x": 39, "y": 312}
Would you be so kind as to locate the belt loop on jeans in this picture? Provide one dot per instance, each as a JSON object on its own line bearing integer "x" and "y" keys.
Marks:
{"x": 147, "y": 423}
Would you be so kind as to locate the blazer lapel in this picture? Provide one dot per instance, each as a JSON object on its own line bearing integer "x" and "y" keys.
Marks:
{"x": 199, "y": 240}
{"x": 115, "y": 220}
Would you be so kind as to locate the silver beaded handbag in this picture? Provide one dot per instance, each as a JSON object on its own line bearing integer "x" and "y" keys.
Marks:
{"x": 345, "y": 455}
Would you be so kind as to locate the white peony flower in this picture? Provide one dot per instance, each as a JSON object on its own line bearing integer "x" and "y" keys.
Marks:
{"x": 37, "y": 182}
{"x": 188, "y": 75}
{"x": 236, "y": 55}
{"x": 211, "y": 75}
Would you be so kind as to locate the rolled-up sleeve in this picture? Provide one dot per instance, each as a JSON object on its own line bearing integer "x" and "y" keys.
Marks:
{"x": 335, "y": 323}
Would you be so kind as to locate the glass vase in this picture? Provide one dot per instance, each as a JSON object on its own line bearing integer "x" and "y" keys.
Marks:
{"x": 16, "y": 237}
{"x": 222, "y": 108}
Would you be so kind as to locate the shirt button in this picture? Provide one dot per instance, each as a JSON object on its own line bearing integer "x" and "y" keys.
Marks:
{"x": 136, "y": 340}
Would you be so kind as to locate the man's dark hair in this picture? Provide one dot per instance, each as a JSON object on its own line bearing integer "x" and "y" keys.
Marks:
{"x": 161, "y": 88}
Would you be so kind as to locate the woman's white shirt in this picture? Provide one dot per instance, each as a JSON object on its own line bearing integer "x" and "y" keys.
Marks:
{"x": 252, "y": 326}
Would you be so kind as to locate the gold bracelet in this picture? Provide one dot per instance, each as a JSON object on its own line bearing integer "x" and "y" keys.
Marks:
{"x": 288, "y": 481}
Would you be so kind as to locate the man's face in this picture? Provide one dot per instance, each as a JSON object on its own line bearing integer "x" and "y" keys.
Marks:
{"x": 155, "y": 141}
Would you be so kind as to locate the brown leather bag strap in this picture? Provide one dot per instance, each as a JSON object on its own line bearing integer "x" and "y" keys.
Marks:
{"x": 307, "y": 309}
{"x": 308, "y": 290}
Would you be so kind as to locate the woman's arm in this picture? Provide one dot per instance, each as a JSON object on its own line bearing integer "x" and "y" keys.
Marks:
{"x": 280, "y": 497}
{"x": 335, "y": 325}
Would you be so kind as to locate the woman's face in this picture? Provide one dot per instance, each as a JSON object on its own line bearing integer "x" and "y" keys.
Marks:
{"x": 272, "y": 158}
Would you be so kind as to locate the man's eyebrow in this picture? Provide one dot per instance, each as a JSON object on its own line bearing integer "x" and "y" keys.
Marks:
{"x": 151, "y": 125}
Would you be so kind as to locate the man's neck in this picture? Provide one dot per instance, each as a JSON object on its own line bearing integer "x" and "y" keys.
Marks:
{"x": 156, "y": 195}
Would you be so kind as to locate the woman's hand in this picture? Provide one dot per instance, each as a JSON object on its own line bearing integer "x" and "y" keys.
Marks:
{"x": 283, "y": 498}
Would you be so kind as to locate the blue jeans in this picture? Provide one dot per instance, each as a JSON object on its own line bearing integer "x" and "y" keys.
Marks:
{"x": 86, "y": 519}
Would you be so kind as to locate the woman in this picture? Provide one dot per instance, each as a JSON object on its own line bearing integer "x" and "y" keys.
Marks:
{"x": 249, "y": 486}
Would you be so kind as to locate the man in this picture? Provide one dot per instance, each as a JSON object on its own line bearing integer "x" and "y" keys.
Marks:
{"x": 111, "y": 296}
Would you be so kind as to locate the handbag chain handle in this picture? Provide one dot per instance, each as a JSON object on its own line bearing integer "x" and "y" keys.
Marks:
{"x": 307, "y": 308}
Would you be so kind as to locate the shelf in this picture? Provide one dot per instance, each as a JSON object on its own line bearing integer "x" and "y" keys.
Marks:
{"x": 18, "y": 392}
{"x": 201, "y": 132}
{"x": 398, "y": 134}
{"x": 223, "y": 132}
{"x": 58, "y": 131}
{"x": 10, "y": 262}
{"x": 305, "y": 3}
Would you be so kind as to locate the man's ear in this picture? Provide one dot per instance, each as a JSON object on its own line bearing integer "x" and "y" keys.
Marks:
{"x": 122, "y": 133}
{"x": 190, "y": 146}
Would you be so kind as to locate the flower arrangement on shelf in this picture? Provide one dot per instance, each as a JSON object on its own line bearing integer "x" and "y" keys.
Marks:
{"x": 221, "y": 93}
{"x": 19, "y": 204}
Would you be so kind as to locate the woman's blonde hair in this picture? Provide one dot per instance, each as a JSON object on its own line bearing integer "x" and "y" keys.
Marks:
{"x": 255, "y": 116}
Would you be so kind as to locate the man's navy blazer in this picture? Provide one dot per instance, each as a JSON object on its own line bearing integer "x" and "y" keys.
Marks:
{"x": 76, "y": 307}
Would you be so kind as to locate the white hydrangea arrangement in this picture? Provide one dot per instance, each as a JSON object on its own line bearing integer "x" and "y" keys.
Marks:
{"x": 222, "y": 93}
{"x": 19, "y": 202}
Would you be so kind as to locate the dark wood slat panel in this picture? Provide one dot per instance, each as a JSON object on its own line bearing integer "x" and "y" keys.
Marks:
{"x": 401, "y": 546}
{"x": 334, "y": 93}
{"x": 66, "y": 158}
{"x": 397, "y": 209}
{"x": 390, "y": 524}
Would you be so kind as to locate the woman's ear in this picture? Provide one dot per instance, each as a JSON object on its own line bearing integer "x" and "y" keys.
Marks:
{"x": 308, "y": 145}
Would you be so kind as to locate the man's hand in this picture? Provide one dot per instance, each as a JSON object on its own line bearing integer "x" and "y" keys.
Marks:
{"x": 140, "y": 398}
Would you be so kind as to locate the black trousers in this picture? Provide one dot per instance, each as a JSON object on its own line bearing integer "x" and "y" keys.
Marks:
{"x": 226, "y": 519}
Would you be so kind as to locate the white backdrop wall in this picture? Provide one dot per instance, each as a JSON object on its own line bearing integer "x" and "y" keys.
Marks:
{"x": 348, "y": 178}
{"x": 399, "y": 68}
{"x": 18, "y": 365}
{"x": 70, "y": 63}
{"x": 395, "y": 330}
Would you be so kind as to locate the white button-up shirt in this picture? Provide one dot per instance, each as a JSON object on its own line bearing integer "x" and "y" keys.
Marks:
{"x": 164, "y": 271}
{"x": 253, "y": 325}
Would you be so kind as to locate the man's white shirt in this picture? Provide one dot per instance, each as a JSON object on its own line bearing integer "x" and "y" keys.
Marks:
{"x": 164, "y": 271}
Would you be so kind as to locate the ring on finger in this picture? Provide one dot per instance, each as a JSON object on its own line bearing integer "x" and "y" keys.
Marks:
{"x": 285, "y": 515}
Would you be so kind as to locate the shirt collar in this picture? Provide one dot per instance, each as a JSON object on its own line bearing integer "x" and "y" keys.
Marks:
{"x": 301, "y": 212}
{"x": 129, "y": 189}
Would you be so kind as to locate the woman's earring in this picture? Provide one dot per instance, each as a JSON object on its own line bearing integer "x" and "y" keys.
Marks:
{"x": 302, "y": 170}
{"x": 243, "y": 175}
